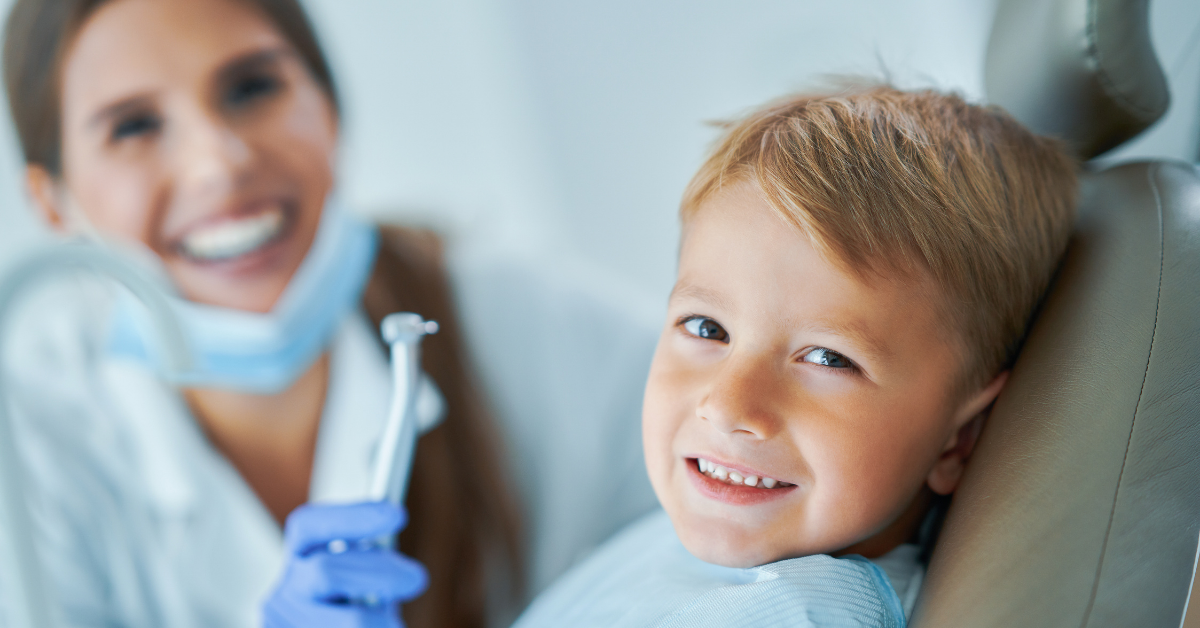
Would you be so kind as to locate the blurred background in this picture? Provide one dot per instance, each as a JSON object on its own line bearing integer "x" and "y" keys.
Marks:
{"x": 566, "y": 131}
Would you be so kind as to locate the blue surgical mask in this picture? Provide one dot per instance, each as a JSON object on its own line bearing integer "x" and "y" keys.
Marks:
{"x": 262, "y": 353}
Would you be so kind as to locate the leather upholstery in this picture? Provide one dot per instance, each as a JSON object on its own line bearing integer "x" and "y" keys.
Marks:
{"x": 1081, "y": 505}
{"x": 1081, "y": 70}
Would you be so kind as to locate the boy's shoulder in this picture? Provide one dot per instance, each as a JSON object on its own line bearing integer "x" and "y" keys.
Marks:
{"x": 643, "y": 576}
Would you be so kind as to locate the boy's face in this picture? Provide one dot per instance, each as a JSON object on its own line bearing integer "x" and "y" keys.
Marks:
{"x": 789, "y": 372}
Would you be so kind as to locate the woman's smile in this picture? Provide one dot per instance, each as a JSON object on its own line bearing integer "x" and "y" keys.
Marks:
{"x": 242, "y": 239}
{"x": 229, "y": 239}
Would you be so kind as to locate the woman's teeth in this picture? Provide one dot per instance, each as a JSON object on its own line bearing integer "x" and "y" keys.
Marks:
{"x": 717, "y": 472}
{"x": 234, "y": 238}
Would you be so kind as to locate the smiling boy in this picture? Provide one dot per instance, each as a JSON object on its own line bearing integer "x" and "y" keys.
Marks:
{"x": 819, "y": 404}
{"x": 856, "y": 274}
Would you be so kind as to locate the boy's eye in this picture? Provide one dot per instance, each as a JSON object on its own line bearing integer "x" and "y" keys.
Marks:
{"x": 706, "y": 328}
{"x": 249, "y": 88}
{"x": 825, "y": 357}
{"x": 135, "y": 125}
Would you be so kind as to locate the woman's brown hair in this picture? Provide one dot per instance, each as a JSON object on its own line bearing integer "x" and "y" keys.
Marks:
{"x": 463, "y": 521}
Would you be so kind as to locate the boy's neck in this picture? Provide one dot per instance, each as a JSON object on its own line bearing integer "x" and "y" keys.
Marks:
{"x": 903, "y": 530}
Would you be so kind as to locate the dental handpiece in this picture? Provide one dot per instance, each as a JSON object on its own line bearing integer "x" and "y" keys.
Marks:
{"x": 403, "y": 332}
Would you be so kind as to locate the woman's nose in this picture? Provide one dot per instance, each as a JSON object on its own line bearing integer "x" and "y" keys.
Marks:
{"x": 212, "y": 157}
{"x": 741, "y": 399}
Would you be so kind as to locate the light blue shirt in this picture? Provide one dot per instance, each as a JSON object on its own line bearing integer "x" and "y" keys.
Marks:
{"x": 645, "y": 577}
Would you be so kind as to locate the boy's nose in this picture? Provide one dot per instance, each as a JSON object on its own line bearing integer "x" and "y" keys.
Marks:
{"x": 740, "y": 398}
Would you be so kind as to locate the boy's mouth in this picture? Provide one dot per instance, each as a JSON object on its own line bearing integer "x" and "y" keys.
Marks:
{"x": 721, "y": 474}
{"x": 733, "y": 487}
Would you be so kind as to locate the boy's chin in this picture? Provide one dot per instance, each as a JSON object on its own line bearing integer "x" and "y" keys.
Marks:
{"x": 721, "y": 545}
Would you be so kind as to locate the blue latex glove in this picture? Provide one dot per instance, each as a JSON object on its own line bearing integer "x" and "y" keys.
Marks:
{"x": 336, "y": 576}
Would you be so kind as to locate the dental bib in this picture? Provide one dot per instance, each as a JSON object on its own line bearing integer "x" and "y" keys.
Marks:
{"x": 255, "y": 352}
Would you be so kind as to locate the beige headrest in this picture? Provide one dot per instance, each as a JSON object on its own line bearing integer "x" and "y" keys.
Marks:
{"x": 1081, "y": 70}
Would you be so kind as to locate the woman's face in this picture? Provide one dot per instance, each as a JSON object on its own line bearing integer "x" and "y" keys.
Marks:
{"x": 193, "y": 127}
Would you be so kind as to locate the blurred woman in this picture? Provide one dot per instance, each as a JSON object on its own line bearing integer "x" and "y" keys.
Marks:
{"x": 206, "y": 132}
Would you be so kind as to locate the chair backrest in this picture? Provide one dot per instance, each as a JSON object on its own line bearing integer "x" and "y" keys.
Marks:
{"x": 1081, "y": 505}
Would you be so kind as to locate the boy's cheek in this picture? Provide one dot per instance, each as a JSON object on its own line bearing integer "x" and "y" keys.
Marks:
{"x": 658, "y": 429}
{"x": 668, "y": 400}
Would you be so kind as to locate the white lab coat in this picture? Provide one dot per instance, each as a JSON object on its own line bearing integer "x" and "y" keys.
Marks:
{"x": 143, "y": 523}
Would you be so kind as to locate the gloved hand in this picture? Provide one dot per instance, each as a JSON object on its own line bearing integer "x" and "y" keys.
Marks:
{"x": 336, "y": 576}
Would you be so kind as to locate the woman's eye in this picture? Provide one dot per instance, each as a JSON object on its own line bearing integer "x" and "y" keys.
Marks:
{"x": 141, "y": 124}
{"x": 825, "y": 357}
{"x": 706, "y": 328}
{"x": 250, "y": 88}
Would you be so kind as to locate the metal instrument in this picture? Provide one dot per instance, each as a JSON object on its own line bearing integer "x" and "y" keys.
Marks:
{"x": 403, "y": 332}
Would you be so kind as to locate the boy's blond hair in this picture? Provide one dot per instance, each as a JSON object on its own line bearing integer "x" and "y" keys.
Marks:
{"x": 888, "y": 181}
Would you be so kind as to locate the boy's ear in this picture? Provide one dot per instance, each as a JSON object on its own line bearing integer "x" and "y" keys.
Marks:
{"x": 43, "y": 190}
{"x": 968, "y": 423}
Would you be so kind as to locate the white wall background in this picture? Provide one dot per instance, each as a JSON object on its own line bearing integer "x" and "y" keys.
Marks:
{"x": 568, "y": 129}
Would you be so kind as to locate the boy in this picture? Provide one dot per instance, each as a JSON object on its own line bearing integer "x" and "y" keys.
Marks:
{"x": 856, "y": 274}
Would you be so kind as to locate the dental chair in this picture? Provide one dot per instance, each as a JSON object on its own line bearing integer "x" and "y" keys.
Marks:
{"x": 1081, "y": 504}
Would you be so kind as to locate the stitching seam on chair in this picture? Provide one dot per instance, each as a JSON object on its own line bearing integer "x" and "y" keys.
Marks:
{"x": 1151, "y": 178}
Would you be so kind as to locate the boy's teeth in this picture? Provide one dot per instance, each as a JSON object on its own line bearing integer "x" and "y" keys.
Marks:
{"x": 718, "y": 472}
{"x": 233, "y": 238}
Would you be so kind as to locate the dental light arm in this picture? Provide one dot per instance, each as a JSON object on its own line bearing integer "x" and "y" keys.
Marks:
{"x": 23, "y": 595}
{"x": 403, "y": 332}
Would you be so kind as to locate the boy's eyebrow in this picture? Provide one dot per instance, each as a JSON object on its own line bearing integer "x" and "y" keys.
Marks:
{"x": 862, "y": 337}
{"x": 690, "y": 291}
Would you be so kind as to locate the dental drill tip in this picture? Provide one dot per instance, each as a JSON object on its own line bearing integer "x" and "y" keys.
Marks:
{"x": 405, "y": 327}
